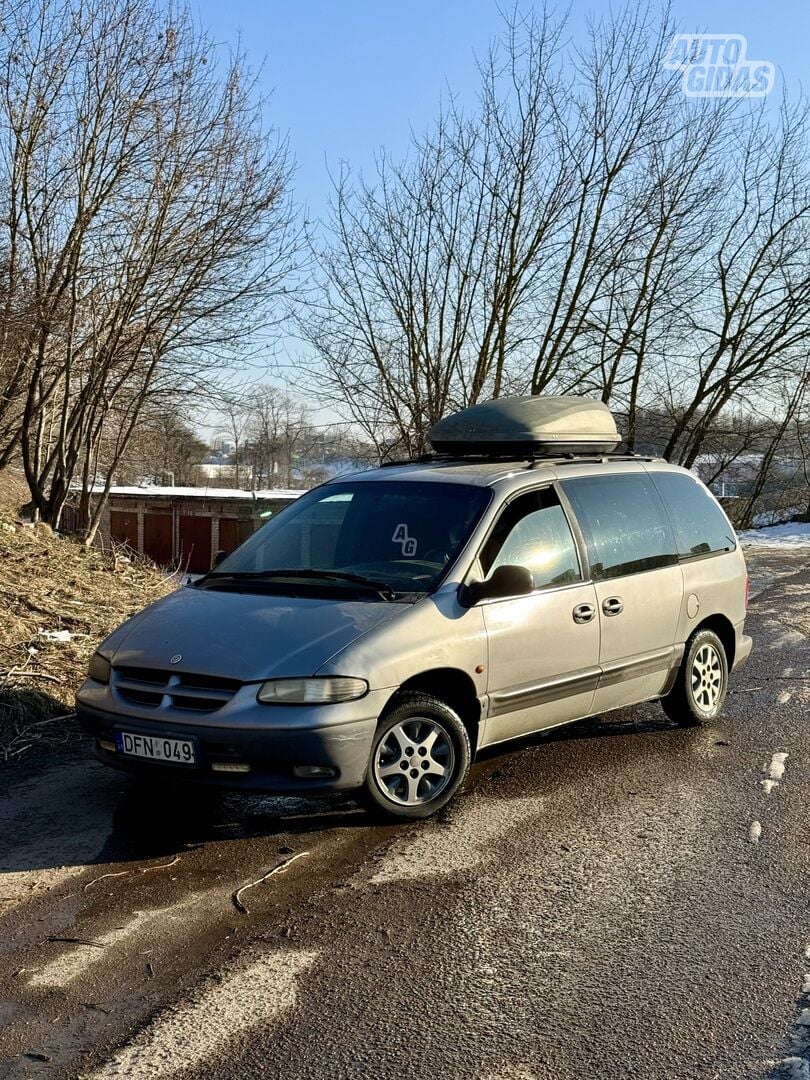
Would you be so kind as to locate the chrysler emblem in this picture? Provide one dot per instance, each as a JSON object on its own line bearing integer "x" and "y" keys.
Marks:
{"x": 176, "y": 658}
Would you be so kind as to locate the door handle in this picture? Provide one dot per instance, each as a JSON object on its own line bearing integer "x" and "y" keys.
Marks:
{"x": 584, "y": 613}
{"x": 614, "y": 605}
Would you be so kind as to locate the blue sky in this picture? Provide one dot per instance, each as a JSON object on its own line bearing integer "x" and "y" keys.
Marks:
{"x": 350, "y": 75}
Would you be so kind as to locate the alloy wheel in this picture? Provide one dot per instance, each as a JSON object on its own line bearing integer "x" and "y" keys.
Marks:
{"x": 414, "y": 761}
{"x": 707, "y": 678}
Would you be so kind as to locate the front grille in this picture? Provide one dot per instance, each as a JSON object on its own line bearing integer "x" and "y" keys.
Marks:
{"x": 185, "y": 691}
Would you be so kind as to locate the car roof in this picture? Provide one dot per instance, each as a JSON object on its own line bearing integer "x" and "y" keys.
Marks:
{"x": 481, "y": 473}
{"x": 491, "y": 472}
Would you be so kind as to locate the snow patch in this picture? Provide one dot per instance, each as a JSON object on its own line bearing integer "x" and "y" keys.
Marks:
{"x": 774, "y": 772}
{"x": 185, "y": 1035}
{"x": 793, "y": 534}
{"x": 162, "y": 492}
{"x": 776, "y": 769}
{"x": 794, "y": 1068}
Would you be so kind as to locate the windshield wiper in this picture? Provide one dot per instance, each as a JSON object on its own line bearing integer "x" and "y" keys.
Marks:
{"x": 380, "y": 587}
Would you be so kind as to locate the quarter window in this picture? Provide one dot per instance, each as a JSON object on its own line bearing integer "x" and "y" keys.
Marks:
{"x": 533, "y": 532}
{"x": 625, "y": 524}
{"x": 700, "y": 525}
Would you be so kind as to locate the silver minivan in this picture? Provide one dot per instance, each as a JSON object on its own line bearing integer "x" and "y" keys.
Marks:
{"x": 378, "y": 632}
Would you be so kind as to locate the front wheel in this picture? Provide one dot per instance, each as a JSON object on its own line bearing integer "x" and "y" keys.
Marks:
{"x": 702, "y": 683}
{"x": 420, "y": 757}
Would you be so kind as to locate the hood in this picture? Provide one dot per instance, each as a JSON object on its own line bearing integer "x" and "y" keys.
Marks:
{"x": 244, "y": 636}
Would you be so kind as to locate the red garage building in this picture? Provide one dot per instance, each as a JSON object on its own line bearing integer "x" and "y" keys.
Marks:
{"x": 184, "y": 527}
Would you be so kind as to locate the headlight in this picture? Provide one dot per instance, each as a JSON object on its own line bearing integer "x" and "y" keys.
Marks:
{"x": 98, "y": 668}
{"x": 318, "y": 691}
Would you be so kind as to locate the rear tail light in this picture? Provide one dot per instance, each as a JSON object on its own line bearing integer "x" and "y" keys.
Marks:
{"x": 747, "y": 590}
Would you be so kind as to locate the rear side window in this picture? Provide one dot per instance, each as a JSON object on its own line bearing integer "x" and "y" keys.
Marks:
{"x": 625, "y": 524}
{"x": 699, "y": 523}
{"x": 533, "y": 531}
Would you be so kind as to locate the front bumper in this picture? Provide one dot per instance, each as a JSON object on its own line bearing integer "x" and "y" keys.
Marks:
{"x": 282, "y": 738}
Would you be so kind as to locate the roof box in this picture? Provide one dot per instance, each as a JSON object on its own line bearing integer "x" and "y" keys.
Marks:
{"x": 527, "y": 426}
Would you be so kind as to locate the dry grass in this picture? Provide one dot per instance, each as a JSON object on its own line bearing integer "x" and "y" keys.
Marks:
{"x": 51, "y": 583}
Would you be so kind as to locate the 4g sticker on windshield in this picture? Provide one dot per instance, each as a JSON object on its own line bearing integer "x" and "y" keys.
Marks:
{"x": 408, "y": 542}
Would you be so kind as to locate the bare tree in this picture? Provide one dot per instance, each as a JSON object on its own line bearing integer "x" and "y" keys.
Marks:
{"x": 431, "y": 265}
{"x": 487, "y": 262}
{"x": 775, "y": 438}
{"x": 753, "y": 318}
{"x": 586, "y": 229}
{"x": 146, "y": 227}
{"x": 235, "y": 421}
{"x": 165, "y": 447}
{"x": 280, "y": 433}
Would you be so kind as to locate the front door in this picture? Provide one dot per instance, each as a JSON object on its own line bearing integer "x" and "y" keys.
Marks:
{"x": 544, "y": 647}
{"x": 639, "y": 583}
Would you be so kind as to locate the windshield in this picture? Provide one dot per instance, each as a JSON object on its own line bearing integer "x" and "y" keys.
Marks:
{"x": 398, "y": 535}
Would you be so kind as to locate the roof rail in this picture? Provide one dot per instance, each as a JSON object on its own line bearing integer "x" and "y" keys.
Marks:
{"x": 532, "y": 459}
{"x": 587, "y": 459}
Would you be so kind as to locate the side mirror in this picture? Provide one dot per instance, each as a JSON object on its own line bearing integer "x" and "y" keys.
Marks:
{"x": 220, "y": 555}
{"x": 506, "y": 581}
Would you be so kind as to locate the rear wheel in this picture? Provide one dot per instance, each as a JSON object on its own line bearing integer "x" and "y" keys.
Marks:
{"x": 702, "y": 683}
{"x": 420, "y": 757}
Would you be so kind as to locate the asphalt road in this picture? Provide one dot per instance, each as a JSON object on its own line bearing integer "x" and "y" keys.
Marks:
{"x": 618, "y": 899}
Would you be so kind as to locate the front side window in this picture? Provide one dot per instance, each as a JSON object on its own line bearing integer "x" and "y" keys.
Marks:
{"x": 625, "y": 524}
{"x": 700, "y": 525}
{"x": 401, "y": 534}
{"x": 533, "y": 532}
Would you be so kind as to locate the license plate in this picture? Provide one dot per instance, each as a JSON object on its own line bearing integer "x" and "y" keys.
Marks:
{"x": 156, "y": 748}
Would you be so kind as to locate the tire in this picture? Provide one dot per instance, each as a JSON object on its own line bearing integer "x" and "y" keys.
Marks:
{"x": 410, "y": 775}
{"x": 701, "y": 685}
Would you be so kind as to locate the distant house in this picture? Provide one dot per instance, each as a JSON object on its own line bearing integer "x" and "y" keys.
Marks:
{"x": 207, "y": 471}
{"x": 185, "y": 526}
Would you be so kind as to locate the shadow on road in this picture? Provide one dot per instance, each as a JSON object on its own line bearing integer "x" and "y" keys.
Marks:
{"x": 648, "y": 719}
{"x": 82, "y": 814}
{"x": 149, "y": 823}
{"x": 74, "y": 813}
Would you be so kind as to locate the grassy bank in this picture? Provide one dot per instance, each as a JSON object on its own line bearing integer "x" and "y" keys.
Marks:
{"x": 57, "y": 601}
